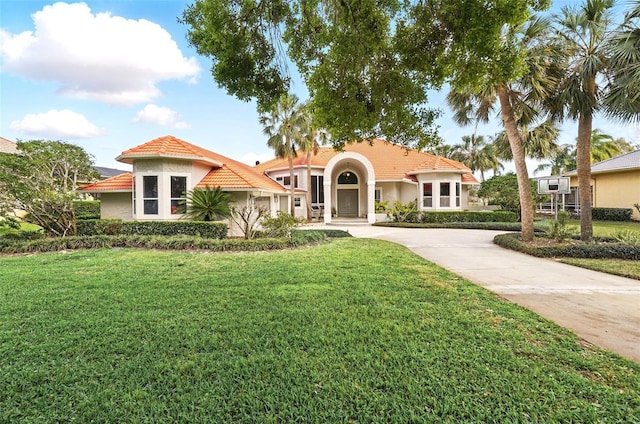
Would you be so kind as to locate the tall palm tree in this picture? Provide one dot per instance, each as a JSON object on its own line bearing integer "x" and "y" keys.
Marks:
{"x": 540, "y": 141}
{"x": 284, "y": 125}
{"x": 310, "y": 144}
{"x": 564, "y": 161}
{"x": 588, "y": 34}
{"x": 517, "y": 101}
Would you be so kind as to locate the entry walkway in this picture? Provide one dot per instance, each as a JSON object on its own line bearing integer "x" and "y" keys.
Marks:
{"x": 602, "y": 309}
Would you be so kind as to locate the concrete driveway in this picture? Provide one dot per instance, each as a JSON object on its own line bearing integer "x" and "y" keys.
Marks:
{"x": 602, "y": 309}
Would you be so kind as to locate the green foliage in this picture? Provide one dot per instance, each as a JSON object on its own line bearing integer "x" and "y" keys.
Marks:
{"x": 627, "y": 237}
{"x": 42, "y": 181}
{"x": 501, "y": 226}
{"x": 279, "y": 226}
{"x": 602, "y": 250}
{"x": 467, "y": 216}
{"x": 217, "y": 230}
{"x": 402, "y": 212}
{"x": 560, "y": 229}
{"x": 382, "y": 207}
{"x": 637, "y": 206}
{"x": 611, "y": 214}
{"x": 87, "y": 209}
{"x": 207, "y": 204}
{"x": 502, "y": 190}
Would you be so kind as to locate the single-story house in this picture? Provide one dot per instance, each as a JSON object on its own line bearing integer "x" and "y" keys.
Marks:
{"x": 8, "y": 146}
{"x": 615, "y": 182}
{"x": 347, "y": 182}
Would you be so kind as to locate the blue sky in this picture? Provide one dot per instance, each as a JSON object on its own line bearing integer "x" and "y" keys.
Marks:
{"x": 109, "y": 75}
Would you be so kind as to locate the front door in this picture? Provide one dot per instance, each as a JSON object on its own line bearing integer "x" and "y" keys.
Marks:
{"x": 348, "y": 203}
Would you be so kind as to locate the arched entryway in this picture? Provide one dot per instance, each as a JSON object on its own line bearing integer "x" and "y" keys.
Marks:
{"x": 349, "y": 187}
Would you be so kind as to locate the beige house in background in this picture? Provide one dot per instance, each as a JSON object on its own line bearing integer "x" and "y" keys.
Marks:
{"x": 7, "y": 146}
{"x": 615, "y": 182}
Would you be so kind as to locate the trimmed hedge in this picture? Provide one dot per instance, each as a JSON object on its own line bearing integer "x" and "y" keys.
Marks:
{"x": 467, "y": 216}
{"x": 87, "y": 209}
{"x": 216, "y": 230}
{"x": 611, "y": 214}
{"x": 498, "y": 226}
{"x": 602, "y": 249}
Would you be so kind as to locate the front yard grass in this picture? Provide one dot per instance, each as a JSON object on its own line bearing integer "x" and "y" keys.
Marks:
{"x": 356, "y": 330}
{"x": 623, "y": 268}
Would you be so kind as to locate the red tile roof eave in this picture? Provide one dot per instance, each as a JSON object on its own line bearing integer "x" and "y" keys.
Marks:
{"x": 128, "y": 159}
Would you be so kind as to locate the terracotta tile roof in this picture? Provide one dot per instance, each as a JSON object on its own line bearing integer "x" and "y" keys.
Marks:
{"x": 390, "y": 161}
{"x": 119, "y": 183}
{"x": 225, "y": 173}
{"x": 8, "y": 146}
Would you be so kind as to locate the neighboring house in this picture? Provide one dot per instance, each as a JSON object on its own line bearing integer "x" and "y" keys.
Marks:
{"x": 108, "y": 172}
{"x": 7, "y": 146}
{"x": 615, "y": 182}
{"x": 347, "y": 182}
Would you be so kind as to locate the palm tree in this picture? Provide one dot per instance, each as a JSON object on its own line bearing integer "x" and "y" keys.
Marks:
{"x": 603, "y": 146}
{"x": 444, "y": 150}
{"x": 595, "y": 73}
{"x": 310, "y": 144}
{"x": 284, "y": 126}
{"x": 563, "y": 162}
{"x": 476, "y": 154}
{"x": 208, "y": 204}
{"x": 540, "y": 142}
{"x": 517, "y": 100}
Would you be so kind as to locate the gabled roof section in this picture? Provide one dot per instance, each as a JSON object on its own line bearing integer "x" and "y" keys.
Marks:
{"x": 625, "y": 162}
{"x": 232, "y": 177}
{"x": 170, "y": 147}
{"x": 8, "y": 146}
{"x": 391, "y": 162}
{"x": 120, "y": 183}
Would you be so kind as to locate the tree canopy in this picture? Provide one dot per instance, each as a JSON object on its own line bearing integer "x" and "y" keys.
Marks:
{"x": 368, "y": 64}
{"x": 42, "y": 180}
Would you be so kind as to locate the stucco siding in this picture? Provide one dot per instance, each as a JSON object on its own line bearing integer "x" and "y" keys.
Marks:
{"x": 116, "y": 206}
{"x": 617, "y": 190}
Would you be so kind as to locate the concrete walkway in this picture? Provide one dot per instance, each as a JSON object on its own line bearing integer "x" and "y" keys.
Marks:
{"x": 602, "y": 309}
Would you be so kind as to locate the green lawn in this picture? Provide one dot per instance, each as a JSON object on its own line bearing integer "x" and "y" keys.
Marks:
{"x": 603, "y": 228}
{"x": 356, "y": 330}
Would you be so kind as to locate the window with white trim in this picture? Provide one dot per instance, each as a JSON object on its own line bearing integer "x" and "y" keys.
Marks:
{"x": 458, "y": 189}
{"x": 178, "y": 195}
{"x": 445, "y": 195}
{"x": 427, "y": 195}
{"x": 377, "y": 194}
{"x": 150, "y": 193}
{"x": 286, "y": 181}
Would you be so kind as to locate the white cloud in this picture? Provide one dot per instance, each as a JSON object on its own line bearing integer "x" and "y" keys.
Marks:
{"x": 152, "y": 114}
{"x": 100, "y": 57}
{"x": 57, "y": 124}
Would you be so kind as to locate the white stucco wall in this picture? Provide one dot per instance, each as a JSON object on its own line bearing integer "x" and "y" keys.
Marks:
{"x": 116, "y": 206}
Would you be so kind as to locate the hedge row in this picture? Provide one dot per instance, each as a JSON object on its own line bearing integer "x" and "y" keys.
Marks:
{"x": 461, "y": 216}
{"x": 611, "y": 214}
{"x": 597, "y": 250}
{"x": 87, "y": 209}
{"x": 94, "y": 227}
{"x": 498, "y": 226}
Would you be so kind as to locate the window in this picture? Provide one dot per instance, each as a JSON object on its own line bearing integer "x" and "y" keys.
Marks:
{"x": 178, "y": 194}
{"x": 150, "y": 193}
{"x": 458, "y": 194}
{"x": 348, "y": 178}
{"x": 296, "y": 202}
{"x": 286, "y": 181}
{"x": 445, "y": 195}
{"x": 317, "y": 189}
{"x": 377, "y": 194}
{"x": 427, "y": 195}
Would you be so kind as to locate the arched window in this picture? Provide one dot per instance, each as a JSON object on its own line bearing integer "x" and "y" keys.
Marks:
{"x": 347, "y": 177}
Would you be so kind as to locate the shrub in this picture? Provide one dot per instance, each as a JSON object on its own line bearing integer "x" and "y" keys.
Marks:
{"x": 611, "y": 214}
{"x": 499, "y": 226}
{"x": 589, "y": 251}
{"x": 381, "y": 207}
{"x": 405, "y": 212}
{"x": 279, "y": 226}
{"x": 467, "y": 216}
{"x": 627, "y": 237}
{"x": 560, "y": 230}
{"x": 87, "y": 209}
{"x": 217, "y": 230}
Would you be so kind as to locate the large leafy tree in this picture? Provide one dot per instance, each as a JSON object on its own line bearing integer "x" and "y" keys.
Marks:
{"x": 42, "y": 180}
{"x": 285, "y": 126}
{"x": 599, "y": 77}
{"x": 517, "y": 94}
{"x": 368, "y": 65}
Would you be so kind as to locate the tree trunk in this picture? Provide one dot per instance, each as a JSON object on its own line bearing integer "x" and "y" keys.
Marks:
{"x": 583, "y": 163}
{"x": 308, "y": 196}
{"x": 517, "y": 150}
{"x": 292, "y": 200}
